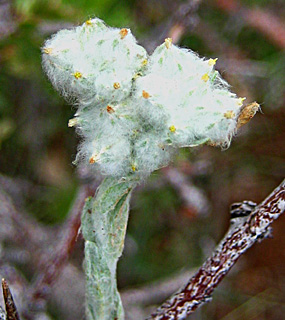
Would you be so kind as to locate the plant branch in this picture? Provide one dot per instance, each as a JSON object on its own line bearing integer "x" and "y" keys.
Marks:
{"x": 244, "y": 232}
{"x": 262, "y": 20}
{"x": 154, "y": 292}
{"x": 52, "y": 266}
{"x": 184, "y": 18}
{"x": 194, "y": 199}
{"x": 11, "y": 310}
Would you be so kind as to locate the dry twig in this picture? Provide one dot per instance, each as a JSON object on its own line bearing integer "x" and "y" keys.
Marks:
{"x": 155, "y": 292}
{"x": 244, "y": 232}
{"x": 184, "y": 18}
{"x": 194, "y": 198}
{"x": 52, "y": 266}
{"x": 263, "y": 21}
{"x": 11, "y": 310}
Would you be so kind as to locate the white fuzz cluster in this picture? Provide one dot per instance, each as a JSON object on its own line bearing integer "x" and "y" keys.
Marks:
{"x": 134, "y": 111}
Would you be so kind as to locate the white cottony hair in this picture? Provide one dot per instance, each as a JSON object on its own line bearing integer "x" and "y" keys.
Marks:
{"x": 135, "y": 110}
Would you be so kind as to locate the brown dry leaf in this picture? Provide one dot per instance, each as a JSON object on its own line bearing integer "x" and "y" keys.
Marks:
{"x": 247, "y": 113}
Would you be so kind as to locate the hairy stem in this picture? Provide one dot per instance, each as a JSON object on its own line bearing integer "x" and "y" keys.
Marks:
{"x": 104, "y": 223}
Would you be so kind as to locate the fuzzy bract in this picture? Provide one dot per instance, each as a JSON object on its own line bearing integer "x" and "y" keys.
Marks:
{"x": 135, "y": 110}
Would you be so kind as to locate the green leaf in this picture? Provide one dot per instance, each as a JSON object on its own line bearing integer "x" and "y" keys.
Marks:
{"x": 104, "y": 223}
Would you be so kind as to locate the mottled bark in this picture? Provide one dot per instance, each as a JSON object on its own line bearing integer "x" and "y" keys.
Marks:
{"x": 11, "y": 310}
{"x": 243, "y": 233}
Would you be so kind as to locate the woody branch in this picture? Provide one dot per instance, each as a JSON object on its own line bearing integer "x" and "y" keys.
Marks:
{"x": 243, "y": 233}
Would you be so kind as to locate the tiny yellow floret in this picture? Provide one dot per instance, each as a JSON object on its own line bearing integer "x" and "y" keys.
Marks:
{"x": 205, "y": 77}
{"x": 144, "y": 62}
{"x": 145, "y": 94}
{"x": 72, "y": 122}
{"x": 77, "y": 75}
{"x": 137, "y": 75}
{"x": 212, "y": 62}
{"x": 123, "y": 33}
{"x": 240, "y": 101}
{"x": 88, "y": 22}
{"x": 134, "y": 168}
{"x": 110, "y": 109}
{"x": 47, "y": 50}
{"x": 172, "y": 128}
{"x": 168, "y": 42}
{"x": 92, "y": 160}
{"x": 229, "y": 114}
{"x": 116, "y": 85}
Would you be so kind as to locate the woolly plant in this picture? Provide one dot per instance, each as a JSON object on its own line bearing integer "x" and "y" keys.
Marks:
{"x": 133, "y": 113}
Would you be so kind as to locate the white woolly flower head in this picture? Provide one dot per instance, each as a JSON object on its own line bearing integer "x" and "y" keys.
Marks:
{"x": 93, "y": 63}
{"x": 134, "y": 111}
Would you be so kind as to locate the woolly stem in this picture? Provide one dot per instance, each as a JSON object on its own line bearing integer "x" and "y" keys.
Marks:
{"x": 104, "y": 224}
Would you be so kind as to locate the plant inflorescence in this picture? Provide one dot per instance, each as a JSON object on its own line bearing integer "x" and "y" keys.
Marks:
{"x": 135, "y": 110}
